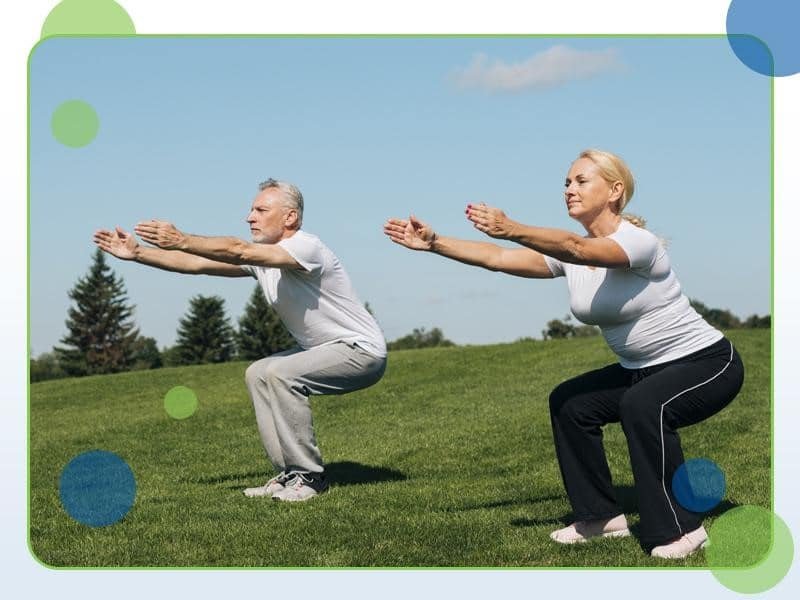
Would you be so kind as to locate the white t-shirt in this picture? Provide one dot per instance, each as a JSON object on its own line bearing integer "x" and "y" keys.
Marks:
{"x": 318, "y": 306}
{"x": 643, "y": 314}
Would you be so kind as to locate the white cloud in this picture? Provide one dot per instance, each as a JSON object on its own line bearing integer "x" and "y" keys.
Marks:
{"x": 551, "y": 68}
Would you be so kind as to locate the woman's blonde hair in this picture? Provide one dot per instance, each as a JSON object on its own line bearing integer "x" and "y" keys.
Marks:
{"x": 612, "y": 168}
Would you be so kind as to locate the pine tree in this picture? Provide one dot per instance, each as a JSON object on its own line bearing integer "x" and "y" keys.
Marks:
{"x": 261, "y": 332}
{"x": 205, "y": 335}
{"x": 101, "y": 335}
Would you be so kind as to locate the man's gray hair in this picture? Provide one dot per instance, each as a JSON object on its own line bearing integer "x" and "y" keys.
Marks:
{"x": 292, "y": 198}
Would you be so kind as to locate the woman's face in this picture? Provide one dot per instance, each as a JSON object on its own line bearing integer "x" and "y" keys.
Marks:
{"x": 587, "y": 194}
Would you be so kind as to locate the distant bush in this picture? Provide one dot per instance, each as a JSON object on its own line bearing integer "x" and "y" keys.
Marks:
{"x": 558, "y": 329}
{"x": 725, "y": 319}
{"x": 46, "y": 367}
{"x": 419, "y": 338}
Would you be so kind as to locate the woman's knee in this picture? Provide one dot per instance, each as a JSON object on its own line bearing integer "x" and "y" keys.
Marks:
{"x": 559, "y": 397}
{"x": 566, "y": 402}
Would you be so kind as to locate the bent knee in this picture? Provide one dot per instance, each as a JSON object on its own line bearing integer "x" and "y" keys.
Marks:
{"x": 251, "y": 374}
{"x": 259, "y": 371}
{"x": 563, "y": 401}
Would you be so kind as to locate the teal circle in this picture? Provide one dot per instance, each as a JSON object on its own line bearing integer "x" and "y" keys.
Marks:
{"x": 750, "y": 549}
{"x": 88, "y": 17}
{"x": 180, "y": 402}
{"x": 74, "y": 123}
{"x": 97, "y": 488}
{"x": 698, "y": 485}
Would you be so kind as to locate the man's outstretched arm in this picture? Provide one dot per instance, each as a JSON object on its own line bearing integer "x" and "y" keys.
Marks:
{"x": 124, "y": 246}
{"x": 228, "y": 250}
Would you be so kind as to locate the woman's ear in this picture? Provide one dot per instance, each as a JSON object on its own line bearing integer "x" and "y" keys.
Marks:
{"x": 617, "y": 191}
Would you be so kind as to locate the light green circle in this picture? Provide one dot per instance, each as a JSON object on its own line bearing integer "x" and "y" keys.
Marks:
{"x": 87, "y": 17}
{"x": 74, "y": 123}
{"x": 750, "y": 549}
{"x": 180, "y": 402}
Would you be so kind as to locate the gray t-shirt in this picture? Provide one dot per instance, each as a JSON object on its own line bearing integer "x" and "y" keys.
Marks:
{"x": 318, "y": 306}
{"x": 643, "y": 314}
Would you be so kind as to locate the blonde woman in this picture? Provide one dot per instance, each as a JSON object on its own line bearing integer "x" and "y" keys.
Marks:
{"x": 674, "y": 369}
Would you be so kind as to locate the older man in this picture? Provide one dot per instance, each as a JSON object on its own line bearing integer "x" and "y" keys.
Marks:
{"x": 340, "y": 346}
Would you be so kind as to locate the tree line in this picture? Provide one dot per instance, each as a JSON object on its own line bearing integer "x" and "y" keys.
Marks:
{"x": 721, "y": 318}
{"x": 102, "y": 338}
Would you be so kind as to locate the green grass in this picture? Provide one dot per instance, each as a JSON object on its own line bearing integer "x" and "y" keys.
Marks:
{"x": 447, "y": 462}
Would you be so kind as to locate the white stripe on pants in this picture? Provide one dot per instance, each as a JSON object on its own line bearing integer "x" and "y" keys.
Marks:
{"x": 280, "y": 385}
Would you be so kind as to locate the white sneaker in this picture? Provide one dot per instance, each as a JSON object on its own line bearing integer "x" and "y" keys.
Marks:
{"x": 301, "y": 487}
{"x": 582, "y": 531}
{"x": 684, "y": 546}
{"x": 268, "y": 489}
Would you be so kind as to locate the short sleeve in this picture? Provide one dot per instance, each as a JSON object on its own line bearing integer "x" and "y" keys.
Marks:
{"x": 249, "y": 269}
{"x": 556, "y": 266}
{"x": 640, "y": 245}
{"x": 305, "y": 251}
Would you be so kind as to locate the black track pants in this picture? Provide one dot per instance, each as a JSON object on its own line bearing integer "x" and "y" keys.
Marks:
{"x": 651, "y": 403}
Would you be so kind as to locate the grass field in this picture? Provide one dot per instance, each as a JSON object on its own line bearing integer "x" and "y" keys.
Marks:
{"x": 447, "y": 462}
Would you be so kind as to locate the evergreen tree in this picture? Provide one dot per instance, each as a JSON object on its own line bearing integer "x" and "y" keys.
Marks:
{"x": 205, "y": 335}
{"x": 101, "y": 334}
{"x": 261, "y": 332}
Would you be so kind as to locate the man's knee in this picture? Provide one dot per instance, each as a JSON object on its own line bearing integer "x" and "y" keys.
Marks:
{"x": 262, "y": 371}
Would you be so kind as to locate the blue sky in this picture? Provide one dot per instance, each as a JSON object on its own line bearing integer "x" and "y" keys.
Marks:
{"x": 370, "y": 128}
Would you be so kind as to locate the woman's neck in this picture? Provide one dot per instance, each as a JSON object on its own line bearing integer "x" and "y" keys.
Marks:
{"x": 603, "y": 225}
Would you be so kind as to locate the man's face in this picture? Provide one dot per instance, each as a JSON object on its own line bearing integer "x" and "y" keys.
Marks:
{"x": 268, "y": 217}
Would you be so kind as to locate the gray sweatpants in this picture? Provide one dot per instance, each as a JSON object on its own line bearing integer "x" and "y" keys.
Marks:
{"x": 280, "y": 385}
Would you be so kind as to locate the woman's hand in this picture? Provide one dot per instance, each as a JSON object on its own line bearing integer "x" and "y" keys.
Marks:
{"x": 411, "y": 233}
{"x": 118, "y": 243}
{"x": 491, "y": 221}
{"x": 162, "y": 234}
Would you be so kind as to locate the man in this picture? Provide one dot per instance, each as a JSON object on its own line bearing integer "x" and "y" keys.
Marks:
{"x": 341, "y": 348}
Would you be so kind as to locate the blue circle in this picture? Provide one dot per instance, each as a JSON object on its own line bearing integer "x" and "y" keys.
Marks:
{"x": 97, "y": 488}
{"x": 698, "y": 485}
{"x": 763, "y": 35}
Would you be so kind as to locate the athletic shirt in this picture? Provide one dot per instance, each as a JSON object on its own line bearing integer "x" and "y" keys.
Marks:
{"x": 643, "y": 314}
{"x": 319, "y": 305}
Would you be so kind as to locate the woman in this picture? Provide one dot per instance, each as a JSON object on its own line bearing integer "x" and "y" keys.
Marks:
{"x": 674, "y": 369}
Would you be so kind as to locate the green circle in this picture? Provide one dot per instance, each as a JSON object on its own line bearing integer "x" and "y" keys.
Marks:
{"x": 750, "y": 549}
{"x": 180, "y": 402}
{"x": 74, "y": 123}
{"x": 87, "y": 17}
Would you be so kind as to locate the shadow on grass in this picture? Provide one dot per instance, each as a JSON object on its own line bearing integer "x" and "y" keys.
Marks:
{"x": 626, "y": 498}
{"x": 503, "y": 503}
{"x": 339, "y": 473}
{"x": 352, "y": 473}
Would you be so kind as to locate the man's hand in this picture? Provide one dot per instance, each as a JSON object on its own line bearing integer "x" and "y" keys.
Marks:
{"x": 118, "y": 243}
{"x": 162, "y": 234}
{"x": 411, "y": 233}
{"x": 491, "y": 221}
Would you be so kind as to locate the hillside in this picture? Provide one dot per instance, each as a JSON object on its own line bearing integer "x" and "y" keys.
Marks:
{"x": 448, "y": 461}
